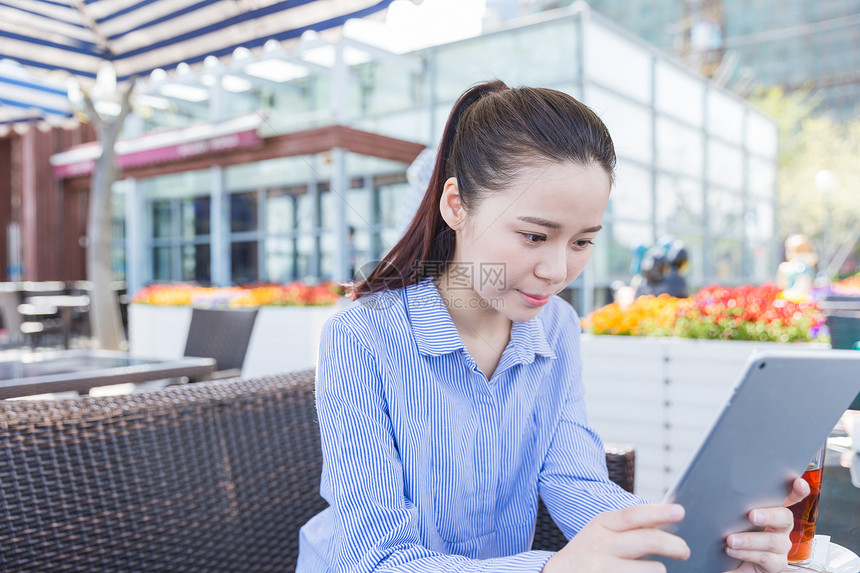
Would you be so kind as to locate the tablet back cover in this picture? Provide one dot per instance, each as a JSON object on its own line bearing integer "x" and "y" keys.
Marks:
{"x": 779, "y": 413}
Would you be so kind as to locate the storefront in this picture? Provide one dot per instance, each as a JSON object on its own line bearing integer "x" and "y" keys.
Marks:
{"x": 222, "y": 205}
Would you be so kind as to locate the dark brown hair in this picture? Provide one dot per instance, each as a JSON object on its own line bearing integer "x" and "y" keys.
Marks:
{"x": 493, "y": 131}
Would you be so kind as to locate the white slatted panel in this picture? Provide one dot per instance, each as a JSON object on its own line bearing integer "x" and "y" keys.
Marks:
{"x": 624, "y": 396}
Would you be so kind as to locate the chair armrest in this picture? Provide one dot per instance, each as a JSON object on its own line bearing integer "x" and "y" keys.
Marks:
{"x": 621, "y": 463}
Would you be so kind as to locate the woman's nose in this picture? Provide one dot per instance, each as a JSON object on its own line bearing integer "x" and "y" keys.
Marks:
{"x": 552, "y": 267}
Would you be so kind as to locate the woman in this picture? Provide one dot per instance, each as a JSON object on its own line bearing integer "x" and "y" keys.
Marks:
{"x": 450, "y": 393}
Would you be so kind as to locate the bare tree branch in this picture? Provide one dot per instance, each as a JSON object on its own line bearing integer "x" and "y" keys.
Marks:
{"x": 104, "y": 307}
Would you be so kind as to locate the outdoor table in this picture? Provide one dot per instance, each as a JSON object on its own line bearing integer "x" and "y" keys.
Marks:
{"x": 80, "y": 370}
{"x": 65, "y": 304}
{"x": 838, "y": 558}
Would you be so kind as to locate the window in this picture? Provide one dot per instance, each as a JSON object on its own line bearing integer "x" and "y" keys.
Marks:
{"x": 616, "y": 63}
{"x": 245, "y": 235}
{"x": 180, "y": 239}
{"x": 725, "y": 165}
{"x": 280, "y": 255}
{"x": 679, "y": 93}
{"x": 679, "y": 148}
{"x": 244, "y": 265}
{"x": 629, "y": 123}
{"x": 243, "y": 212}
{"x": 679, "y": 203}
{"x": 631, "y": 198}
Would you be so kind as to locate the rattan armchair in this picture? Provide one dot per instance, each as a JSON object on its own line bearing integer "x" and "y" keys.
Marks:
{"x": 208, "y": 477}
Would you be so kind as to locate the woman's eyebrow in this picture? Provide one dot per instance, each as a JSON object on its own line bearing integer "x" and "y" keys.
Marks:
{"x": 553, "y": 225}
{"x": 540, "y": 221}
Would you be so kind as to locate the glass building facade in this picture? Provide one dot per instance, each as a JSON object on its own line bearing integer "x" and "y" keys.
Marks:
{"x": 797, "y": 44}
{"x": 694, "y": 161}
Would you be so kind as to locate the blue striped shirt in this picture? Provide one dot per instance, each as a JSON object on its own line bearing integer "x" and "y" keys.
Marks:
{"x": 430, "y": 467}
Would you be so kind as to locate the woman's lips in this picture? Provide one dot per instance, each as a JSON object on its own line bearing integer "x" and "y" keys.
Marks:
{"x": 533, "y": 299}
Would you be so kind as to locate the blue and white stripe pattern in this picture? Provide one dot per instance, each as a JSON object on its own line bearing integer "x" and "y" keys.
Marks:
{"x": 27, "y": 97}
{"x": 430, "y": 467}
{"x": 138, "y": 36}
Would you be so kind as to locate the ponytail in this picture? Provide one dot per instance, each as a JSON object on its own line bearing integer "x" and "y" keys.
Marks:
{"x": 426, "y": 247}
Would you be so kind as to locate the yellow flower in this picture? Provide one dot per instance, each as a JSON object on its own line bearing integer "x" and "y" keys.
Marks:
{"x": 647, "y": 315}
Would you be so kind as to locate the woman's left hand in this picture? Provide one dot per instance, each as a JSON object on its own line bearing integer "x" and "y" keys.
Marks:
{"x": 767, "y": 551}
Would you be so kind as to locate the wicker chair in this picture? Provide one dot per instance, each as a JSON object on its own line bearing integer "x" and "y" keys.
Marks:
{"x": 207, "y": 477}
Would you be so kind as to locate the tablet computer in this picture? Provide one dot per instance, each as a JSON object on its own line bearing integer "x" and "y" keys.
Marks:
{"x": 779, "y": 413}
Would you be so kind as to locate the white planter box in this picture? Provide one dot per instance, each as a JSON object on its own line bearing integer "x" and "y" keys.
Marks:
{"x": 158, "y": 331}
{"x": 284, "y": 339}
{"x": 660, "y": 395}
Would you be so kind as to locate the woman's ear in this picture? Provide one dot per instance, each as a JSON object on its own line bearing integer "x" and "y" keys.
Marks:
{"x": 450, "y": 206}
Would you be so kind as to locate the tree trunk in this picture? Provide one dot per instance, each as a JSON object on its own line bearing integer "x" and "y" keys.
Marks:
{"x": 105, "y": 318}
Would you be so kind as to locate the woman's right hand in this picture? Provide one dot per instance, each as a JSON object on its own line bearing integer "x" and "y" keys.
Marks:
{"x": 613, "y": 541}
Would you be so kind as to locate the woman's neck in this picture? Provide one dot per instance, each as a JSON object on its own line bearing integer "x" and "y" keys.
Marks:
{"x": 472, "y": 316}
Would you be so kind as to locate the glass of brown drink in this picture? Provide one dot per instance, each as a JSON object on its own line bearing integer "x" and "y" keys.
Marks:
{"x": 803, "y": 533}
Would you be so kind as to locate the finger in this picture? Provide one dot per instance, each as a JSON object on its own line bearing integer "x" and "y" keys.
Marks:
{"x": 765, "y": 541}
{"x": 769, "y": 562}
{"x": 641, "y": 542}
{"x": 799, "y": 490}
{"x": 772, "y": 518}
{"x": 639, "y": 516}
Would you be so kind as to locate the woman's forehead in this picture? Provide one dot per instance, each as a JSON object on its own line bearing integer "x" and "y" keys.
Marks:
{"x": 548, "y": 189}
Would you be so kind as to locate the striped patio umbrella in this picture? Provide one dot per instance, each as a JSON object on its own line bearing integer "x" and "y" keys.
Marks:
{"x": 138, "y": 36}
{"x": 26, "y": 97}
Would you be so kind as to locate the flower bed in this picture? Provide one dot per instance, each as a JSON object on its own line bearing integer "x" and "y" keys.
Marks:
{"x": 292, "y": 294}
{"x": 755, "y": 313}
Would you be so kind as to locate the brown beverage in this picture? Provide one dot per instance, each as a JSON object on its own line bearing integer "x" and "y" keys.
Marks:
{"x": 804, "y": 519}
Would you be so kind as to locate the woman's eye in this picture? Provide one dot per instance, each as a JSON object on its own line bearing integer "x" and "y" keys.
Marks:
{"x": 583, "y": 243}
{"x": 533, "y": 238}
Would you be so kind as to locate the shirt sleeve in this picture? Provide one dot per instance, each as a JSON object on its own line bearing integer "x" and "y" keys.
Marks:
{"x": 574, "y": 482}
{"x": 376, "y": 527}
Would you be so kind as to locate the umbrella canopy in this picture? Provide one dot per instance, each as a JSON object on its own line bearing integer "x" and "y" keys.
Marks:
{"x": 25, "y": 97}
{"x": 138, "y": 36}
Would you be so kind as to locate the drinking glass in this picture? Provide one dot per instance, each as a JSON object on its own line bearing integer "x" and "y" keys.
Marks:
{"x": 805, "y": 512}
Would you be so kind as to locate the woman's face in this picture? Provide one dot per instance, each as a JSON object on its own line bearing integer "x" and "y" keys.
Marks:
{"x": 525, "y": 243}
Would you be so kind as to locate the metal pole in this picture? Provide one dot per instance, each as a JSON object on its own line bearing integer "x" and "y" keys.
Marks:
{"x": 219, "y": 214}
{"x": 339, "y": 178}
{"x": 135, "y": 240}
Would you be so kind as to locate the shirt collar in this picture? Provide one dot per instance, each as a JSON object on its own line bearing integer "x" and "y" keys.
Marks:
{"x": 529, "y": 339}
{"x": 432, "y": 327}
{"x": 435, "y": 333}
